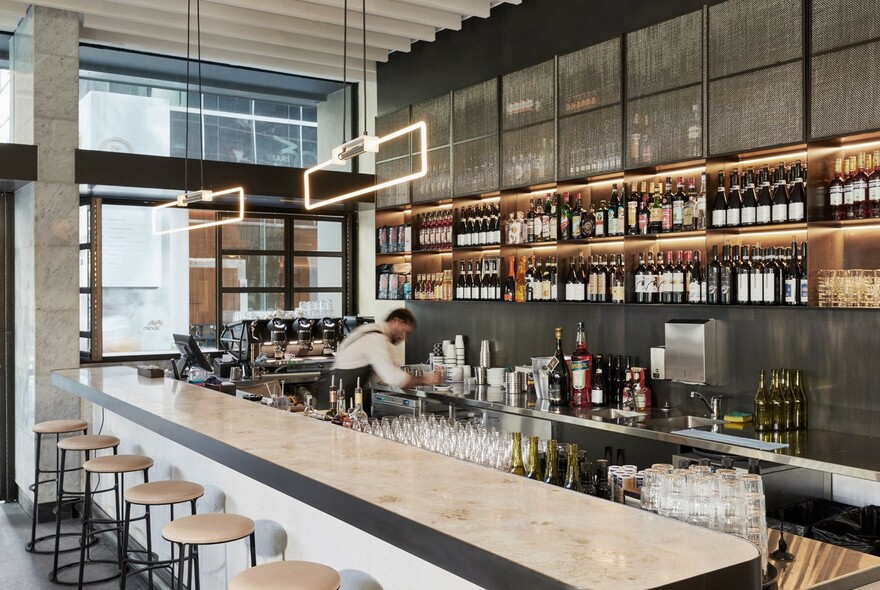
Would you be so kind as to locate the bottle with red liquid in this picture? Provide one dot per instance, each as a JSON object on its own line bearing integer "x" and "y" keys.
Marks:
{"x": 581, "y": 370}
{"x": 835, "y": 192}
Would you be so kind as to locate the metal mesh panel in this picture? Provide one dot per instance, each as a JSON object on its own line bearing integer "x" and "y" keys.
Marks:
{"x": 476, "y": 166}
{"x": 436, "y": 113}
{"x": 770, "y": 113}
{"x": 665, "y": 127}
{"x": 437, "y": 183}
{"x": 590, "y": 78}
{"x": 399, "y": 193}
{"x": 528, "y": 156}
{"x": 665, "y": 55}
{"x": 528, "y": 96}
{"x": 837, "y": 23}
{"x": 843, "y": 99}
{"x": 589, "y": 143}
{"x": 750, "y": 34}
{"x": 387, "y": 123}
{"x": 475, "y": 111}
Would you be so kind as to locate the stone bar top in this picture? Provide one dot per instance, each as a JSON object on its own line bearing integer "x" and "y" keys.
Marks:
{"x": 491, "y": 528}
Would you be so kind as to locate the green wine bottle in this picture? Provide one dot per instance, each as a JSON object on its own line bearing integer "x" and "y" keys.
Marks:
{"x": 777, "y": 404}
{"x": 800, "y": 397}
{"x": 516, "y": 460}
{"x": 551, "y": 473}
{"x": 787, "y": 397}
{"x": 572, "y": 474}
{"x": 534, "y": 462}
{"x": 763, "y": 417}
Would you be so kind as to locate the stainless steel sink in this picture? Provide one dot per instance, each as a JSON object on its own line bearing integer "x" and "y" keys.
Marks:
{"x": 614, "y": 414}
{"x": 682, "y": 422}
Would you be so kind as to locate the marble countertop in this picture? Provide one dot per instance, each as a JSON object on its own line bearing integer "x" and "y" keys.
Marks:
{"x": 489, "y": 527}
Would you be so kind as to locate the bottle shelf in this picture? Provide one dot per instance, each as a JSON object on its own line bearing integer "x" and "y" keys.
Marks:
{"x": 440, "y": 251}
{"x": 699, "y": 233}
{"x": 770, "y": 228}
{"x": 480, "y": 248}
{"x": 845, "y": 223}
{"x": 587, "y": 241}
{"x": 394, "y": 254}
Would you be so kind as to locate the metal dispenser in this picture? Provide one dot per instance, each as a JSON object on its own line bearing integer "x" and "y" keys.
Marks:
{"x": 695, "y": 351}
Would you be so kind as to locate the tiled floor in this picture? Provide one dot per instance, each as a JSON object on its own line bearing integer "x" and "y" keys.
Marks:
{"x": 27, "y": 571}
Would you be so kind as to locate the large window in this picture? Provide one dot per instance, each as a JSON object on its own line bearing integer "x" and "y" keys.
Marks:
{"x": 150, "y": 287}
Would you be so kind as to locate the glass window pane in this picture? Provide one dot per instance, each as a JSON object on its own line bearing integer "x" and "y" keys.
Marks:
{"x": 276, "y": 145}
{"x": 84, "y": 221}
{"x": 253, "y": 270}
{"x": 85, "y": 310}
{"x": 334, "y": 298}
{"x": 155, "y": 286}
{"x": 241, "y": 302}
{"x": 253, "y": 234}
{"x": 312, "y": 235}
{"x": 316, "y": 271}
{"x": 310, "y": 114}
{"x": 233, "y": 104}
{"x": 85, "y": 345}
{"x": 85, "y": 268}
{"x": 265, "y": 108}
{"x": 309, "y": 133}
{"x": 178, "y": 135}
{"x": 229, "y": 140}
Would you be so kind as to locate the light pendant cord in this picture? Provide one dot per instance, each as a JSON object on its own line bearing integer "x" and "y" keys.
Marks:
{"x": 364, "y": 6}
{"x": 186, "y": 133}
{"x": 201, "y": 97}
{"x": 344, "y": 66}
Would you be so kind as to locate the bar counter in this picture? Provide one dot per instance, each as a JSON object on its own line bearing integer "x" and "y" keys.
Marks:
{"x": 492, "y": 529}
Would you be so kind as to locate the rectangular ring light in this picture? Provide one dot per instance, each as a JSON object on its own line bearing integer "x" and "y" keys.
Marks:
{"x": 423, "y": 132}
{"x": 195, "y": 197}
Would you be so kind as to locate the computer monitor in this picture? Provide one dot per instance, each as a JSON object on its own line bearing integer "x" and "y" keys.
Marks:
{"x": 190, "y": 353}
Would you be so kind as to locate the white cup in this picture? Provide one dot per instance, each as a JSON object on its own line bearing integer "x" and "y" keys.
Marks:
{"x": 459, "y": 341}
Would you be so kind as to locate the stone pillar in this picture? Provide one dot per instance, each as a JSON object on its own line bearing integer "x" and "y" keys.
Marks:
{"x": 45, "y": 65}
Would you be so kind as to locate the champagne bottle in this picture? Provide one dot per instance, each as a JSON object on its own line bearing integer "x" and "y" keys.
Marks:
{"x": 800, "y": 409}
{"x": 558, "y": 377}
{"x": 763, "y": 416}
{"x": 533, "y": 465}
{"x": 572, "y": 474}
{"x": 516, "y": 460}
{"x": 551, "y": 473}
{"x": 510, "y": 281}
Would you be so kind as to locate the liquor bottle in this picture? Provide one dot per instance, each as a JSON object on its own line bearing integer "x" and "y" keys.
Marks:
{"x": 666, "y": 202}
{"x": 516, "y": 460}
{"x": 341, "y": 416}
{"x": 358, "y": 415}
{"x": 551, "y": 473}
{"x": 734, "y": 202}
{"x": 530, "y": 222}
{"x": 510, "y": 281}
{"x": 550, "y": 213}
{"x": 618, "y": 282}
{"x": 611, "y": 217}
{"x": 558, "y": 377}
{"x": 800, "y": 408}
{"x": 572, "y": 474}
{"x": 597, "y": 388}
{"x": 792, "y": 277}
{"x": 860, "y": 189}
{"x": 804, "y": 288}
{"x": 874, "y": 188}
{"x": 581, "y": 370}
{"x": 848, "y": 173}
{"x": 520, "y": 296}
{"x": 644, "y": 215}
{"x": 554, "y": 282}
{"x": 632, "y": 209}
{"x": 588, "y": 223}
{"x": 576, "y": 218}
{"x": 533, "y": 465}
{"x": 530, "y": 281}
{"x": 728, "y": 286}
{"x": 540, "y": 236}
{"x": 756, "y": 277}
{"x": 763, "y": 415}
{"x": 764, "y": 208}
{"x": 837, "y": 210}
{"x": 695, "y": 287}
{"x": 779, "y": 212}
{"x": 689, "y": 210}
{"x": 719, "y": 207}
{"x": 564, "y": 219}
{"x": 600, "y": 228}
{"x": 713, "y": 279}
{"x": 640, "y": 276}
{"x": 334, "y": 396}
{"x": 797, "y": 197}
{"x": 742, "y": 276}
{"x": 776, "y": 403}
{"x": 603, "y": 487}
{"x": 652, "y": 280}
{"x": 700, "y": 212}
{"x": 655, "y": 220}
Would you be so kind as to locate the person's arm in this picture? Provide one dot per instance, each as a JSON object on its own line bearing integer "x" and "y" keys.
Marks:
{"x": 379, "y": 353}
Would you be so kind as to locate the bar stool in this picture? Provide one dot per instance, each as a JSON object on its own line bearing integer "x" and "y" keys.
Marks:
{"x": 157, "y": 493}
{"x": 50, "y": 427}
{"x": 287, "y": 575}
{"x": 190, "y": 532}
{"x": 86, "y": 444}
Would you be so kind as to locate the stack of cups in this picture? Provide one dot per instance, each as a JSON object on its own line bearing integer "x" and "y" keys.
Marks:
{"x": 756, "y": 515}
{"x": 459, "y": 350}
{"x": 622, "y": 478}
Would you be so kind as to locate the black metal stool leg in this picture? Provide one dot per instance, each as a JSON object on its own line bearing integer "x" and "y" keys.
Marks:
{"x": 253, "y": 549}
{"x": 125, "y": 526}
{"x": 87, "y": 514}
{"x": 181, "y": 548}
{"x": 59, "y": 491}
{"x": 149, "y": 542}
{"x": 37, "y": 445}
{"x": 195, "y": 560}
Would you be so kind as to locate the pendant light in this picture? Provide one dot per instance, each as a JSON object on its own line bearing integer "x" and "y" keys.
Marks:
{"x": 203, "y": 194}
{"x": 364, "y": 144}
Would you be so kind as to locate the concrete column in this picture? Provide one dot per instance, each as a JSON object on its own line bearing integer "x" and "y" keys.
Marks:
{"x": 45, "y": 64}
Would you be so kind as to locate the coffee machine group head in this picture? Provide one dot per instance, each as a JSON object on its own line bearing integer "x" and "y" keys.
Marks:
{"x": 331, "y": 332}
{"x": 304, "y": 327}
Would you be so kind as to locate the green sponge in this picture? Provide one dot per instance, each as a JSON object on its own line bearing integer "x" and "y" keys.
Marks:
{"x": 738, "y": 417}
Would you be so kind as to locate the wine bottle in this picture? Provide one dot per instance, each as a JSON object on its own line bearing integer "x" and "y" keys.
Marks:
{"x": 618, "y": 282}
{"x": 848, "y": 173}
{"x": 689, "y": 210}
{"x": 678, "y": 201}
{"x": 719, "y": 207}
{"x": 581, "y": 369}
{"x": 776, "y": 403}
{"x": 652, "y": 280}
{"x": 655, "y": 219}
{"x": 750, "y": 199}
{"x": 551, "y": 473}
{"x": 803, "y": 289}
{"x": 792, "y": 277}
{"x": 678, "y": 286}
{"x": 734, "y": 202}
{"x": 510, "y": 281}
{"x": 572, "y": 474}
{"x": 800, "y": 409}
{"x": 644, "y": 214}
{"x": 577, "y": 218}
{"x": 640, "y": 276}
{"x": 797, "y": 197}
{"x": 763, "y": 415}
{"x": 713, "y": 279}
{"x": 516, "y": 460}
{"x": 779, "y": 212}
{"x": 742, "y": 277}
{"x": 787, "y": 398}
{"x": 533, "y": 464}
{"x": 756, "y": 278}
{"x": 632, "y": 209}
{"x": 860, "y": 189}
{"x": 665, "y": 284}
{"x": 597, "y": 389}
{"x": 700, "y": 212}
{"x": 666, "y": 203}
{"x": 728, "y": 288}
{"x": 558, "y": 377}
{"x": 553, "y": 217}
{"x": 695, "y": 288}
{"x": 613, "y": 222}
{"x": 771, "y": 277}
{"x": 836, "y": 211}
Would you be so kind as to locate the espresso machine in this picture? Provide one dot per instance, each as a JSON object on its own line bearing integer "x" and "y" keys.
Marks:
{"x": 305, "y": 328}
{"x": 278, "y": 332}
{"x": 332, "y": 332}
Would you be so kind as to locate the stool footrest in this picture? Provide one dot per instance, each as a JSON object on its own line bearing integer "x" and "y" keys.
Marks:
{"x": 53, "y": 575}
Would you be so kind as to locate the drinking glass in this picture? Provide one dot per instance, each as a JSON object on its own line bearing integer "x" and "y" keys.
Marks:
{"x": 731, "y": 507}
{"x": 753, "y": 483}
{"x": 672, "y": 496}
{"x": 700, "y": 500}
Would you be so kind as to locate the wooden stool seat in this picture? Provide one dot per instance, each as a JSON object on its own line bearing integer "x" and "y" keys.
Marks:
{"x": 208, "y": 529}
{"x": 118, "y": 464}
{"x": 60, "y": 426}
{"x": 287, "y": 575}
{"x": 158, "y": 493}
{"x": 88, "y": 442}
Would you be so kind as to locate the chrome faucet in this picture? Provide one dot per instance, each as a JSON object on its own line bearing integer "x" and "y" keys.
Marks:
{"x": 714, "y": 405}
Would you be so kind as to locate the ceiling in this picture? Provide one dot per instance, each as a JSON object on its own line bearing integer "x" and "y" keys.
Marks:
{"x": 291, "y": 36}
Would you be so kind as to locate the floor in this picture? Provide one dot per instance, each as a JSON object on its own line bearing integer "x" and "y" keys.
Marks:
{"x": 27, "y": 571}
